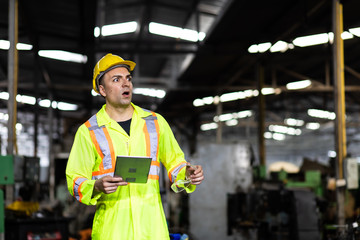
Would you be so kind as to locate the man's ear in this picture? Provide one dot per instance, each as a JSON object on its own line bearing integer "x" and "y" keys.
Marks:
{"x": 102, "y": 90}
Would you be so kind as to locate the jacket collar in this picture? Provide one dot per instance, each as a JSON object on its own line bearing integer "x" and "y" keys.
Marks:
{"x": 103, "y": 118}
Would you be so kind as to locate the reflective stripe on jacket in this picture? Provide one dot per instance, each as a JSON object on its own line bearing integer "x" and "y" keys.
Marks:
{"x": 133, "y": 211}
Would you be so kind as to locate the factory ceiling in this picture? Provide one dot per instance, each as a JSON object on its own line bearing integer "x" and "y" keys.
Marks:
{"x": 186, "y": 69}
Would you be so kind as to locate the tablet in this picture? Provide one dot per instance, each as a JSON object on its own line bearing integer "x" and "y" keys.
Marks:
{"x": 133, "y": 169}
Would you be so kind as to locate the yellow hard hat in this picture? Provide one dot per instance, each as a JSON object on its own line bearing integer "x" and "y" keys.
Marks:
{"x": 107, "y": 63}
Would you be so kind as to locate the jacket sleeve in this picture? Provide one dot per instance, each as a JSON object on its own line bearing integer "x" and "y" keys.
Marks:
{"x": 80, "y": 166}
{"x": 170, "y": 153}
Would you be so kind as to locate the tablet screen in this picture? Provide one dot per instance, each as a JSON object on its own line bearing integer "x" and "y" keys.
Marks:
{"x": 133, "y": 169}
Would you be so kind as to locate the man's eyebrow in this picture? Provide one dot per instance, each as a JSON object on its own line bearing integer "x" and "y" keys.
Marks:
{"x": 119, "y": 75}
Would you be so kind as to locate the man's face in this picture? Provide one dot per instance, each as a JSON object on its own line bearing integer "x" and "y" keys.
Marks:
{"x": 117, "y": 87}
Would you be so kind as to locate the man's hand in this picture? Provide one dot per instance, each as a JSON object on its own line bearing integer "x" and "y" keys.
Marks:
{"x": 108, "y": 184}
{"x": 194, "y": 173}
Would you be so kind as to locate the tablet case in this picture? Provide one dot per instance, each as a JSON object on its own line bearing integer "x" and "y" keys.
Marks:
{"x": 133, "y": 169}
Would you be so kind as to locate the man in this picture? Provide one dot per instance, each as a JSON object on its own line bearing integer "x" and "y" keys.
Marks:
{"x": 124, "y": 211}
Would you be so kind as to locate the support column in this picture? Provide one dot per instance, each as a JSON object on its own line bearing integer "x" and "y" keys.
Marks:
{"x": 339, "y": 93}
{"x": 12, "y": 75}
{"x": 220, "y": 124}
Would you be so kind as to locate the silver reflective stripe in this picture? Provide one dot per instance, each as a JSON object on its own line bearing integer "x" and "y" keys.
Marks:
{"x": 154, "y": 139}
{"x": 176, "y": 171}
{"x": 154, "y": 170}
{"x": 102, "y": 141}
{"x": 150, "y": 124}
{"x": 102, "y": 175}
{"x": 76, "y": 187}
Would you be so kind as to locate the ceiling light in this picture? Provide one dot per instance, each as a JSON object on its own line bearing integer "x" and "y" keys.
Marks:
{"x": 278, "y": 136}
{"x": 232, "y": 122}
{"x": 267, "y": 135}
{"x": 244, "y": 114}
{"x": 151, "y": 92}
{"x": 63, "y": 56}
{"x": 298, "y": 85}
{"x": 198, "y": 102}
{"x": 331, "y": 154}
{"x": 312, "y": 125}
{"x": 294, "y": 122}
{"x": 267, "y": 91}
{"x": 279, "y": 46}
{"x": 96, "y": 32}
{"x": 4, "y": 95}
{"x": 253, "y": 48}
{"x": 119, "y": 28}
{"x": 355, "y": 31}
{"x": 25, "y": 99}
{"x": 175, "y": 32}
{"x": 66, "y": 106}
{"x": 5, "y": 44}
{"x": 263, "y": 47}
{"x": 321, "y": 114}
{"x": 208, "y": 126}
{"x": 311, "y": 40}
{"x": 285, "y": 130}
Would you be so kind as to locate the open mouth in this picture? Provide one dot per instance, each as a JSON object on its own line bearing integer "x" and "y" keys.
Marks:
{"x": 126, "y": 93}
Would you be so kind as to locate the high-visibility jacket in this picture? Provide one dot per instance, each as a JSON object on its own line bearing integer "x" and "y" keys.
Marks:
{"x": 133, "y": 211}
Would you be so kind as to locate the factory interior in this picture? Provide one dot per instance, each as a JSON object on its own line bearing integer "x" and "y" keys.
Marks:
{"x": 264, "y": 95}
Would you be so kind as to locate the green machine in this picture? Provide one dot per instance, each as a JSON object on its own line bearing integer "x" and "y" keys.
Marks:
{"x": 6, "y": 178}
{"x": 312, "y": 181}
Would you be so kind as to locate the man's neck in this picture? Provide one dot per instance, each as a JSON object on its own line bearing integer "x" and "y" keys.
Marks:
{"x": 119, "y": 114}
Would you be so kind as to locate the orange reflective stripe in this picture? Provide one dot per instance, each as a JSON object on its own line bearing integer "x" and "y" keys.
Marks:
{"x": 170, "y": 172}
{"x": 155, "y": 163}
{"x": 93, "y": 139}
{"x": 78, "y": 189}
{"x": 147, "y": 140}
{"x": 153, "y": 177}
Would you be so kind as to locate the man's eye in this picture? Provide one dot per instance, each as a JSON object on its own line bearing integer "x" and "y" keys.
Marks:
{"x": 129, "y": 78}
{"x": 116, "y": 79}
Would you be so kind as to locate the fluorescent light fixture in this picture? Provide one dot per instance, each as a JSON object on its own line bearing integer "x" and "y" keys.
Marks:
{"x": 285, "y": 130}
{"x": 198, "y": 102}
{"x": 294, "y": 122}
{"x": 44, "y": 103}
{"x": 232, "y": 122}
{"x": 208, "y": 100}
{"x": 18, "y": 126}
{"x": 267, "y": 135}
{"x": 23, "y": 46}
{"x": 311, "y": 40}
{"x": 5, "y": 45}
{"x": 244, "y": 114}
{"x": 4, "y": 116}
{"x": 227, "y": 97}
{"x": 208, "y": 126}
{"x": 96, "y": 32}
{"x": 355, "y": 31}
{"x": 151, "y": 92}
{"x": 63, "y": 56}
{"x": 321, "y": 114}
{"x": 224, "y": 117}
{"x": 331, "y": 154}
{"x": 119, "y": 28}
{"x": 175, "y": 32}
{"x": 93, "y": 93}
{"x": 263, "y": 47}
{"x": 253, "y": 48}
{"x": 279, "y": 46}
{"x": 278, "y": 136}
{"x": 66, "y": 106}
{"x": 346, "y": 35}
{"x": 267, "y": 91}
{"x": 298, "y": 84}
{"x": 25, "y": 99}
{"x": 4, "y": 95}
{"x": 313, "y": 125}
